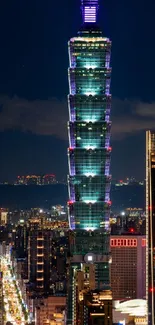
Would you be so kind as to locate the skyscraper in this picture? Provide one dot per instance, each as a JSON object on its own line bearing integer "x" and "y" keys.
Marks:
{"x": 47, "y": 251}
{"x": 89, "y": 151}
{"x": 1, "y": 297}
{"x": 150, "y": 225}
{"x": 128, "y": 268}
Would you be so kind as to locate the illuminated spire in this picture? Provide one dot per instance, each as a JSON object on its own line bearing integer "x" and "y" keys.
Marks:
{"x": 89, "y": 10}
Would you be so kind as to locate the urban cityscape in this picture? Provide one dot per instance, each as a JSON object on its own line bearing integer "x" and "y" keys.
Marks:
{"x": 79, "y": 248}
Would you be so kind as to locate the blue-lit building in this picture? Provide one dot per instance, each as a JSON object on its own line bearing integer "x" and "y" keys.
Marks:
{"x": 89, "y": 151}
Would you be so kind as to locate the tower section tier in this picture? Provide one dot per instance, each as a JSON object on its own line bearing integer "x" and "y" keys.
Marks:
{"x": 89, "y": 126}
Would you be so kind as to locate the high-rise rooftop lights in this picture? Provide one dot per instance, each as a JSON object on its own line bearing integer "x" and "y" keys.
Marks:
{"x": 89, "y": 10}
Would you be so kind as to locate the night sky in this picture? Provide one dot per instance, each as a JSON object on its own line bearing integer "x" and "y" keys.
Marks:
{"x": 34, "y": 85}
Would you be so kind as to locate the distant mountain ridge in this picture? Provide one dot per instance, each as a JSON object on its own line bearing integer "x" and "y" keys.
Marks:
{"x": 26, "y": 197}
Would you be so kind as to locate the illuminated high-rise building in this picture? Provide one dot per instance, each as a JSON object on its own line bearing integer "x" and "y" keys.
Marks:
{"x": 89, "y": 151}
{"x": 47, "y": 251}
{"x": 128, "y": 268}
{"x": 150, "y": 225}
{"x": 1, "y": 298}
{"x": 96, "y": 308}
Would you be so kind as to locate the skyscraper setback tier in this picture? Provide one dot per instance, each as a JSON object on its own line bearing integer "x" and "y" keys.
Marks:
{"x": 150, "y": 225}
{"x": 89, "y": 103}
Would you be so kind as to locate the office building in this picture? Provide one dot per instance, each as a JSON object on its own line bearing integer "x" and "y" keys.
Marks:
{"x": 47, "y": 253}
{"x": 5, "y": 249}
{"x": 51, "y": 310}
{"x": 1, "y": 298}
{"x": 3, "y": 216}
{"x": 96, "y": 308}
{"x": 89, "y": 151}
{"x": 91, "y": 306}
{"x": 150, "y": 225}
{"x": 128, "y": 268}
{"x": 21, "y": 240}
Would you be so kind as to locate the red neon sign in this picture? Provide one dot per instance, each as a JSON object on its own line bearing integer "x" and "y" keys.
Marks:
{"x": 123, "y": 242}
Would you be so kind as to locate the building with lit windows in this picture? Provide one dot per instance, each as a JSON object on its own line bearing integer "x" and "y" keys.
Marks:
{"x": 51, "y": 311}
{"x": 36, "y": 180}
{"x": 89, "y": 151}
{"x": 3, "y": 216}
{"x": 47, "y": 253}
{"x": 150, "y": 225}
{"x": 1, "y": 298}
{"x": 96, "y": 308}
{"x": 21, "y": 240}
{"x": 128, "y": 268}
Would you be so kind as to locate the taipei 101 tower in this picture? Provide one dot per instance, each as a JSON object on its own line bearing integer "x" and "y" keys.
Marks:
{"x": 89, "y": 151}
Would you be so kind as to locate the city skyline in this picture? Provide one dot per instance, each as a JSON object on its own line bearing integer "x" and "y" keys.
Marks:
{"x": 33, "y": 72}
{"x": 88, "y": 258}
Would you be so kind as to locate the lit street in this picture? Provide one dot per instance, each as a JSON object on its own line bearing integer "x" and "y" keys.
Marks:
{"x": 14, "y": 309}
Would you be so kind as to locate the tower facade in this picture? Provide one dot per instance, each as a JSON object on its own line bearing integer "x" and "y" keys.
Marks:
{"x": 89, "y": 103}
{"x": 89, "y": 124}
{"x": 150, "y": 225}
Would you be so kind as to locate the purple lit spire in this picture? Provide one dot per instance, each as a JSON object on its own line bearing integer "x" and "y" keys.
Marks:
{"x": 89, "y": 10}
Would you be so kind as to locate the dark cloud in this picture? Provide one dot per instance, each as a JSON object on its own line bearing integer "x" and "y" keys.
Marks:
{"x": 49, "y": 117}
{"x": 146, "y": 110}
{"x": 43, "y": 117}
{"x": 131, "y": 117}
{"x": 126, "y": 126}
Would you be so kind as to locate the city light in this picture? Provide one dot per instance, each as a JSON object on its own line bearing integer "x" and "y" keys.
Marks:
{"x": 15, "y": 309}
{"x": 90, "y": 93}
{"x": 90, "y": 66}
{"x": 90, "y": 260}
{"x": 90, "y": 228}
{"x": 90, "y": 174}
{"x": 90, "y": 201}
{"x": 90, "y": 147}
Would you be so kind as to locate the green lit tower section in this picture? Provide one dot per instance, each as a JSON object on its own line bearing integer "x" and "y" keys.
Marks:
{"x": 89, "y": 125}
{"x": 89, "y": 152}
